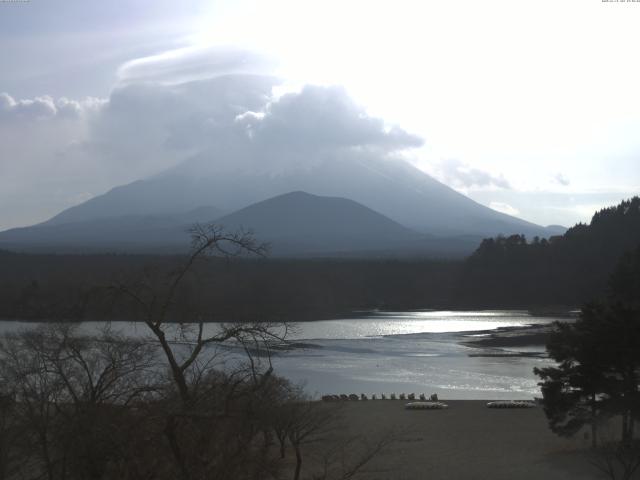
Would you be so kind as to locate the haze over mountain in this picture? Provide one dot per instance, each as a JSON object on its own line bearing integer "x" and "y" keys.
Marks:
{"x": 134, "y": 232}
{"x": 393, "y": 188}
{"x": 294, "y": 224}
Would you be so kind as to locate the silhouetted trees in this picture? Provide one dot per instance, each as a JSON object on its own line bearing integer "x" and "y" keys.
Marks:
{"x": 71, "y": 287}
{"x": 597, "y": 377}
{"x": 79, "y": 406}
{"x": 69, "y": 394}
{"x": 598, "y": 370}
{"x": 565, "y": 270}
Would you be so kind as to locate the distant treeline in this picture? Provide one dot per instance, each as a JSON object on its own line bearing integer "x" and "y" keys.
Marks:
{"x": 35, "y": 287}
{"x": 510, "y": 272}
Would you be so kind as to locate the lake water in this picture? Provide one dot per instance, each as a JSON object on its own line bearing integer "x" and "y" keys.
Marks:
{"x": 413, "y": 352}
{"x": 395, "y": 352}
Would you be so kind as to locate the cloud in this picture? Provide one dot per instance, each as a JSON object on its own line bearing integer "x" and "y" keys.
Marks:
{"x": 44, "y": 107}
{"x": 41, "y": 167}
{"x": 37, "y": 108}
{"x": 322, "y": 118}
{"x": 195, "y": 63}
{"x": 145, "y": 128}
{"x": 234, "y": 121}
{"x": 457, "y": 174}
{"x": 504, "y": 208}
{"x": 562, "y": 179}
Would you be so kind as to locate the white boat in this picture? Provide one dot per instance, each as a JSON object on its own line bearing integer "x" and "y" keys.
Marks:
{"x": 425, "y": 406}
{"x": 511, "y": 404}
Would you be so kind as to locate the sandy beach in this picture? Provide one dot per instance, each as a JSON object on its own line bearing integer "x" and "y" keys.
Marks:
{"x": 467, "y": 441}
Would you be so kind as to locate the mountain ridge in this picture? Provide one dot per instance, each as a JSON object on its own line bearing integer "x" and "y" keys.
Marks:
{"x": 296, "y": 224}
{"x": 393, "y": 188}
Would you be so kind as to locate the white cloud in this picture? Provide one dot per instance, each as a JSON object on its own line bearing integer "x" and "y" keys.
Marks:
{"x": 44, "y": 107}
{"x": 460, "y": 175}
{"x": 192, "y": 63}
{"x": 562, "y": 179}
{"x": 319, "y": 118}
{"x": 36, "y": 108}
{"x": 504, "y": 208}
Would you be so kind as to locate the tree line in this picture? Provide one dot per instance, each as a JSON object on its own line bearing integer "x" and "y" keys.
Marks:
{"x": 73, "y": 287}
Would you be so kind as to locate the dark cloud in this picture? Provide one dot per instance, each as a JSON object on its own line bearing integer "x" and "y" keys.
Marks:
{"x": 458, "y": 174}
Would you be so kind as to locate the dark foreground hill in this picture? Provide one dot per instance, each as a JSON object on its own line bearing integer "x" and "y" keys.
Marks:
{"x": 300, "y": 224}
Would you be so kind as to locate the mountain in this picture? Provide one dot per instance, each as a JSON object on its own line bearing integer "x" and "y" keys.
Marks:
{"x": 393, "y": 188}
{"x": 126, "y": 233}
{"x": 298, "y": 223}
{"x": 295, "y": 224}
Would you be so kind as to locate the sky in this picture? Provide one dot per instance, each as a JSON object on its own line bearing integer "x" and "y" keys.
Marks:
{"x": 530, "y": 108}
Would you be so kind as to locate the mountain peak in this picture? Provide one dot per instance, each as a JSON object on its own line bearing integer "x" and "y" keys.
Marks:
{"x": 301, "y": 223}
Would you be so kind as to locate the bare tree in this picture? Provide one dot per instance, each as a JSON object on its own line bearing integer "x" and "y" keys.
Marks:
{"x": 71, "y": 392}
{"x": 10, "y": 434}
{"x": 212, "y": 426}
{"x": 155, "y": 304}
{"x": 308, "y": 422}
{"x": 617, "y": 459}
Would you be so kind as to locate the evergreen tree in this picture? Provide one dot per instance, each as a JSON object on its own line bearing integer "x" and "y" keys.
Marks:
{"x": 598, "y": 356}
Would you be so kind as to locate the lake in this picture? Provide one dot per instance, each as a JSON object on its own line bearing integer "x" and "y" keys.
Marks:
{"x": 395, "y": 352}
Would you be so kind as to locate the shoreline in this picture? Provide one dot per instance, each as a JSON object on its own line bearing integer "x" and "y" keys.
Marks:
{"x": 535, "y": 335}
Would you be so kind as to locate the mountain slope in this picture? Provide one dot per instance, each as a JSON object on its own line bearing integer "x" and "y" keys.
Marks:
{"x": 393, "y": 188}
{"x": 298, "y": 223}
{"x": 295, "y": 224}
{"x": 130, "y": 233}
